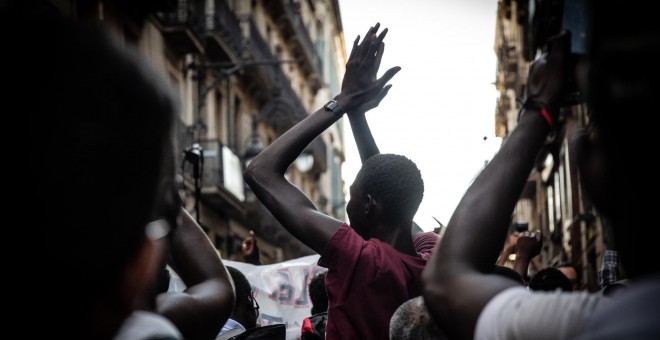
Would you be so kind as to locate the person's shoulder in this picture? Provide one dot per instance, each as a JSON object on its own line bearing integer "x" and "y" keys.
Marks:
{"x": 230, "y": 334}
{"x": 314, "y": 326}
{"x": 343, "y": 234}
{"x": 147, "y": 325}
{"x": 633, "y": 310}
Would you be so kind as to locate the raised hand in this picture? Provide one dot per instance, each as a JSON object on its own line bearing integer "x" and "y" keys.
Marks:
{"x": 250, "y": 249}
{"x": 528, "y": 246}
{"x": 548, "y": 76}
{"x": 361, "y": 89}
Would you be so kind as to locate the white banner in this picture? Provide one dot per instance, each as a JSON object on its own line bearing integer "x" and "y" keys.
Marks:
{"x": 281, "y": 290}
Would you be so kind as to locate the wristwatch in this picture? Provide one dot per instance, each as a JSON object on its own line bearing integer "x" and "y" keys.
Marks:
{"x": 332, "y": 106}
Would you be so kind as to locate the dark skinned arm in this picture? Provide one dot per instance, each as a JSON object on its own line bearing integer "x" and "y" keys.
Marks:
{"x": 527, "y": 247}
{"x": 205, "y": 305}
{"x": 458, "y": 281}
{"x": 366, "y": 144}
{"x": 265, "y": 174}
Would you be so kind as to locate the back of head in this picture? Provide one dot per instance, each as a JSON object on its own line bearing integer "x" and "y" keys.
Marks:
{"x": 571, "y": 272}
{"x": 244, "y": 312}
{"x": 412, "y": 321}
{"x": 318, "y": 294}
{"x": 101, "y": 121}
{"x": 550, "y": 279}
{"x": 394, "y": 181}
{"x": 510, "y": 273}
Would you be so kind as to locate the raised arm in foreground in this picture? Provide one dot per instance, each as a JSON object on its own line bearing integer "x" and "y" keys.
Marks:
{"x": 205, "y": 305}
{"x": 458, "y": 281}
{"x": 265, "y": 174}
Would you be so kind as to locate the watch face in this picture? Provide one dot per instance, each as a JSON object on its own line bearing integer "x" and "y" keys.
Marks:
{"x": 331, "y": 106}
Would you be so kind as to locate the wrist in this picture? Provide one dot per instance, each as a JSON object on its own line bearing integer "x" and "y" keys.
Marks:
{"x": 344, "y": 101}
{"x": 540, "y": 108}
{"x": 333, "y": 106}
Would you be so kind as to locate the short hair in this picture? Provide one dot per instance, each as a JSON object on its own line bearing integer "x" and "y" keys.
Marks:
{"x": 241, "y": 284}
{"x": 395, "y": 182}
{"x": 570, "y": 265}
{"x": 318, "y": 294}
{"x": 510, "y": 273}
{"x": 550, "y": 279}
{"x": 413, "y": 321}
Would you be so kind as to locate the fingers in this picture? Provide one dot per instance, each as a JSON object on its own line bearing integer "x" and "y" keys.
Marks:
{"x": 364, "y": 45}
{"x": 379, "y": 56}
{"x": 532, "y": 234}
{"x": 376, "y": 42}
{"x": 371, "y": 42}
{"x": 372, "y": 30}
{"x": 389, "y": 74}
{"x": 355, "y": 47}
{"x": 379, "y": 97}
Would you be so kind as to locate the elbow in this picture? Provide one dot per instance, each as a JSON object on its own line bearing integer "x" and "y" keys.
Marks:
{"x": 435, "y": 292}
{"x": 250, "y": 174}
{"x": 430, "y": 286}
{"x": 259, "y": 175}
{"x": 219, "y": 302}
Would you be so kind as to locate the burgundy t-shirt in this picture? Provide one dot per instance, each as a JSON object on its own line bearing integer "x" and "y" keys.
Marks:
{"x": 366, "y": 282}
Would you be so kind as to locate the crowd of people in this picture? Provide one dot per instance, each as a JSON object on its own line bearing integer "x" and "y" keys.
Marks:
{"x": 126, "y": 261}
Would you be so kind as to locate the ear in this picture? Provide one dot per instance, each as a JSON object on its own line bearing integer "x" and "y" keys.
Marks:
{"x": 141, "y": 273}
{"x": 369, "y": 205}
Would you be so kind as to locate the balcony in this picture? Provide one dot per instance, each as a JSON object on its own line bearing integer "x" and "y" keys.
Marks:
{"x": 183, "y": 27}
{"x": 224, "y": 34}
{"x": 283, "y": 107}
{"x": 294, "y": 32}
{"x": 221, "y": 178}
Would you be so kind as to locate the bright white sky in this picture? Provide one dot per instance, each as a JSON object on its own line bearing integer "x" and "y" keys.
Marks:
{"x": 442, "y": 102}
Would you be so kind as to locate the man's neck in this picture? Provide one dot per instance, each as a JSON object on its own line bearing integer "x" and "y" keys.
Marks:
{"x": 399, "y": 237}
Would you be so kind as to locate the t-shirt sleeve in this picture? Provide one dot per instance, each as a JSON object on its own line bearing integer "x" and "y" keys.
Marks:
{"x": 424, "y": 243}
{"x": 342, "y": 257}
{"x": 344, "y": 247}
{"x": 518, "y": 313}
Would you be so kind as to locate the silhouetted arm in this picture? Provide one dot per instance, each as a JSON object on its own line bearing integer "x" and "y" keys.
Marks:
{"x": 265, "y": 174}
{"x": 458, "y": 280}
{"x": 527, "y": 247}
{"x": 366, "y": 144}
{"x": 205, "y": 305}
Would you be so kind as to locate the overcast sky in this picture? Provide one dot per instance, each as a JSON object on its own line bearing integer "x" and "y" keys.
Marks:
{"x": 440, "y": 111}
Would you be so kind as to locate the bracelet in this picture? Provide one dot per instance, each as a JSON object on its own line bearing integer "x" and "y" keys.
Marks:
{"x": 544, "y": 113}
{"x": 540, "y": 107}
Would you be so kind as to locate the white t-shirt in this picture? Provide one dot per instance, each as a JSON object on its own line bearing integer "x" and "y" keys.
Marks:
{"x": 518, "y": 313}
{"x": 143, "y": 325}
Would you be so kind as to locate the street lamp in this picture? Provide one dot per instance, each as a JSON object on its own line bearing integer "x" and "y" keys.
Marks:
{"x": 255, "y": 146}
{"x": 250, "y": 153}
{"x": 305, "y": 161}
{"x": 195, "y": 156}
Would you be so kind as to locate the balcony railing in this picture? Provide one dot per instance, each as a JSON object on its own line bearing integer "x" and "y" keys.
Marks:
{"x": 225, "y": 26}
{"x": 303, "y": 36}
{"x": 184, "y": 26}
{"x": 259, "y": 50}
